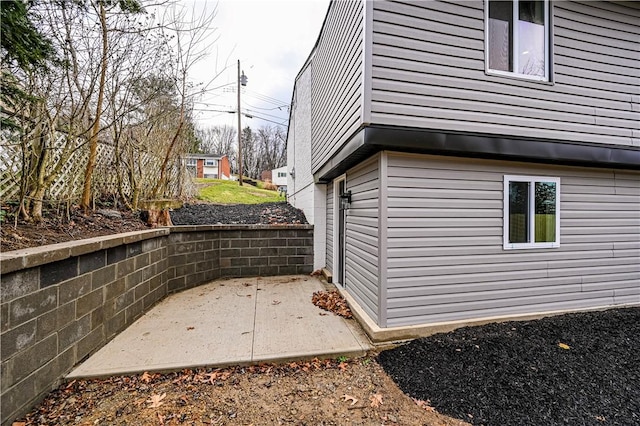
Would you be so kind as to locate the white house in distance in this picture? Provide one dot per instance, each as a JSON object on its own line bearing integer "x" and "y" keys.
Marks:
{"x": 279, "y": 177}
{"x": 465, "y": 161}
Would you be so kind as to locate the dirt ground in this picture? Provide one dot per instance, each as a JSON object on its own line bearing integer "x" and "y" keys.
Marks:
{"x": 60, "y": 226}
{"x": 327, "y": 392}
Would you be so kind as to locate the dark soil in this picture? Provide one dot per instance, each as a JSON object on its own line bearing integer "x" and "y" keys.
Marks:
{"x": 574, "y": 369}
{"x": 211, "y": 214}
{"x": 59, "y": 226}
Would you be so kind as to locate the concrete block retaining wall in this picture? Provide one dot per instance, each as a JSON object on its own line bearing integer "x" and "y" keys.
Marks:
{"x": 60, "y": 303}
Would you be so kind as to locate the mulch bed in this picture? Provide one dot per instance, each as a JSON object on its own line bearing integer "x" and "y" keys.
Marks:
{"x": 574, "y": 369}
{"x": 267, "y": 213}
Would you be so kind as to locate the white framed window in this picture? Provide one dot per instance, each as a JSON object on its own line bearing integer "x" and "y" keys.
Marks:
{"x": 282, "y": 174}
{"x": 192, "y": 162}
{"x": 210, "y": 162}
{"x": 531, "y": 212}
{"x": 517, "y": 38}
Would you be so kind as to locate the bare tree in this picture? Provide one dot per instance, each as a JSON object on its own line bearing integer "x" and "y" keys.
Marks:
{"x": 118, "y": 103}
{"x": 192, "y": 44}
{"x": 219, "y": 140}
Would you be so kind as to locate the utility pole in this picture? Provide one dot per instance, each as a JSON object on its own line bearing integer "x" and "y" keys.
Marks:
{"x": 239, "y": 131}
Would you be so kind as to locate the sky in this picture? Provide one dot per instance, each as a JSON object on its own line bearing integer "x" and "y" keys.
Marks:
{"x": 272, "y": 39}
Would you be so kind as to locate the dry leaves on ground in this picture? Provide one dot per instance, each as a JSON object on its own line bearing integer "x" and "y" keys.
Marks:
{"x": 332, "y": 301}
{"x": 328, "y": 392}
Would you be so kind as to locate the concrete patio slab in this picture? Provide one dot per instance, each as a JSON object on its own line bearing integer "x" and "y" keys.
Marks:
{"x": 225, "y": 322}
{"x": 288, "y": 325}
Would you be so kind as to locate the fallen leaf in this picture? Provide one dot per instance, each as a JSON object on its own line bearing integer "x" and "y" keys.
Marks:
{"x": 343, "y": 366}
{"x": 190, "y": 328}
{"x": 598, "y": 418}
{"x": 424, "y": 404}
{"x": 376, "y": 400}
{"x": 349, "y": 398}
{"x": 156, "y": 400}
{"x": 146, "y": 377}
{"x": 18, "y": 424}
{"x": 276, "y": 302}
{"x": 564, "y": 346}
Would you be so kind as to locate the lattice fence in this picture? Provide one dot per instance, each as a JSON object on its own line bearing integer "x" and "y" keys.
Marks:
{"x": 68, "y": 182}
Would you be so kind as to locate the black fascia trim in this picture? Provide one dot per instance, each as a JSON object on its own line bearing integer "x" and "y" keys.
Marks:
{"x": 501, "y": 147}
{"x": 373, "y": 139}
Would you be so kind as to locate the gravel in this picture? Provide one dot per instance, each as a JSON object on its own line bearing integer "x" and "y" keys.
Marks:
{"x": 211, "y": 214}
{"x": 574, "y": 369}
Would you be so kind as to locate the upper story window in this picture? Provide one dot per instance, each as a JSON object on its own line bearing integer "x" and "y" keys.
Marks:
{"x": 192, "y": 162}
{"x": 531, "y": 212}
{"x": 517, "y": 38}
{"x": 282, "y": 174}
{"x": 210, "y": 162}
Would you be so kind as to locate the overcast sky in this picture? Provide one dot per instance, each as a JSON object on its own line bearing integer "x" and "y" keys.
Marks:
{"x": 272, "y": 39}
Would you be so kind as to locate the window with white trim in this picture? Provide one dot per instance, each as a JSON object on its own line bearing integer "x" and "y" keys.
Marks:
{"x": 210, "y": 162}
{"x": 517, "y": 38}
{"x": 192, "y": 162}
{"x": 531, "y": 212}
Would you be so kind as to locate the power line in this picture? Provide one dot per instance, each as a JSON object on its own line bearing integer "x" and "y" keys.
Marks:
{"x": 266, "y": 98}
{"x": 268, "y": 109}
{"x": 268, "y": 115}
{"x": 270, "y": 121}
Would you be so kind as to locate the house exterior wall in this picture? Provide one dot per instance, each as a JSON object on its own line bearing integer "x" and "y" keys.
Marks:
{"x": 444, "y": 236}
{"x": 225, "y": 168}
{"x": 210, "y": 172}
{"x": 336, "y": 89}
{"x": 424, "y": 232}
{"x": 200, "y": 168}
{"x": 300, "y": 186}
{"x": 362, "y": 224}
{"x": 330, "y": 199}
{"x": 428, "y": 71}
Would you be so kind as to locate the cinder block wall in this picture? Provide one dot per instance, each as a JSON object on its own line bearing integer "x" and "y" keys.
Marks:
{"x": 199, "y": 254}
{"x": 60, "y": 303}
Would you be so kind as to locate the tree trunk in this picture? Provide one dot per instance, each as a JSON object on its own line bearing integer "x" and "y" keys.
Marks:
{"x": 160, "y": 186}
{"x": 37, "y": 197}
{"x": 93, "y": 141}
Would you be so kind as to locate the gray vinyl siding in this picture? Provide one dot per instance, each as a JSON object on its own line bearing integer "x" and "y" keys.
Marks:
{"x": 428, "y": 71}
{"x": 337, "y": 80}
{"x": 361, "y": 279}
{"x": 330, "y": 214}
{"x": 445, "y": 256}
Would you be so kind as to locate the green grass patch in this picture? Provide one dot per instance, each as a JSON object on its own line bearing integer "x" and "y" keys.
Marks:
{"x": 229, "y": 192}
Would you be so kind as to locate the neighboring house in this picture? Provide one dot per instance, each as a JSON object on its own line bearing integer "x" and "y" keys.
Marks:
{"x": 208, "y": 166}
{"x": 466, "y": 160}
{"x": 279, "y": 177}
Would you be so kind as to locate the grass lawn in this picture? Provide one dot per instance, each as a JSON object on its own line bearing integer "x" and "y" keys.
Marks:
{"x": 229, "y": 192}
